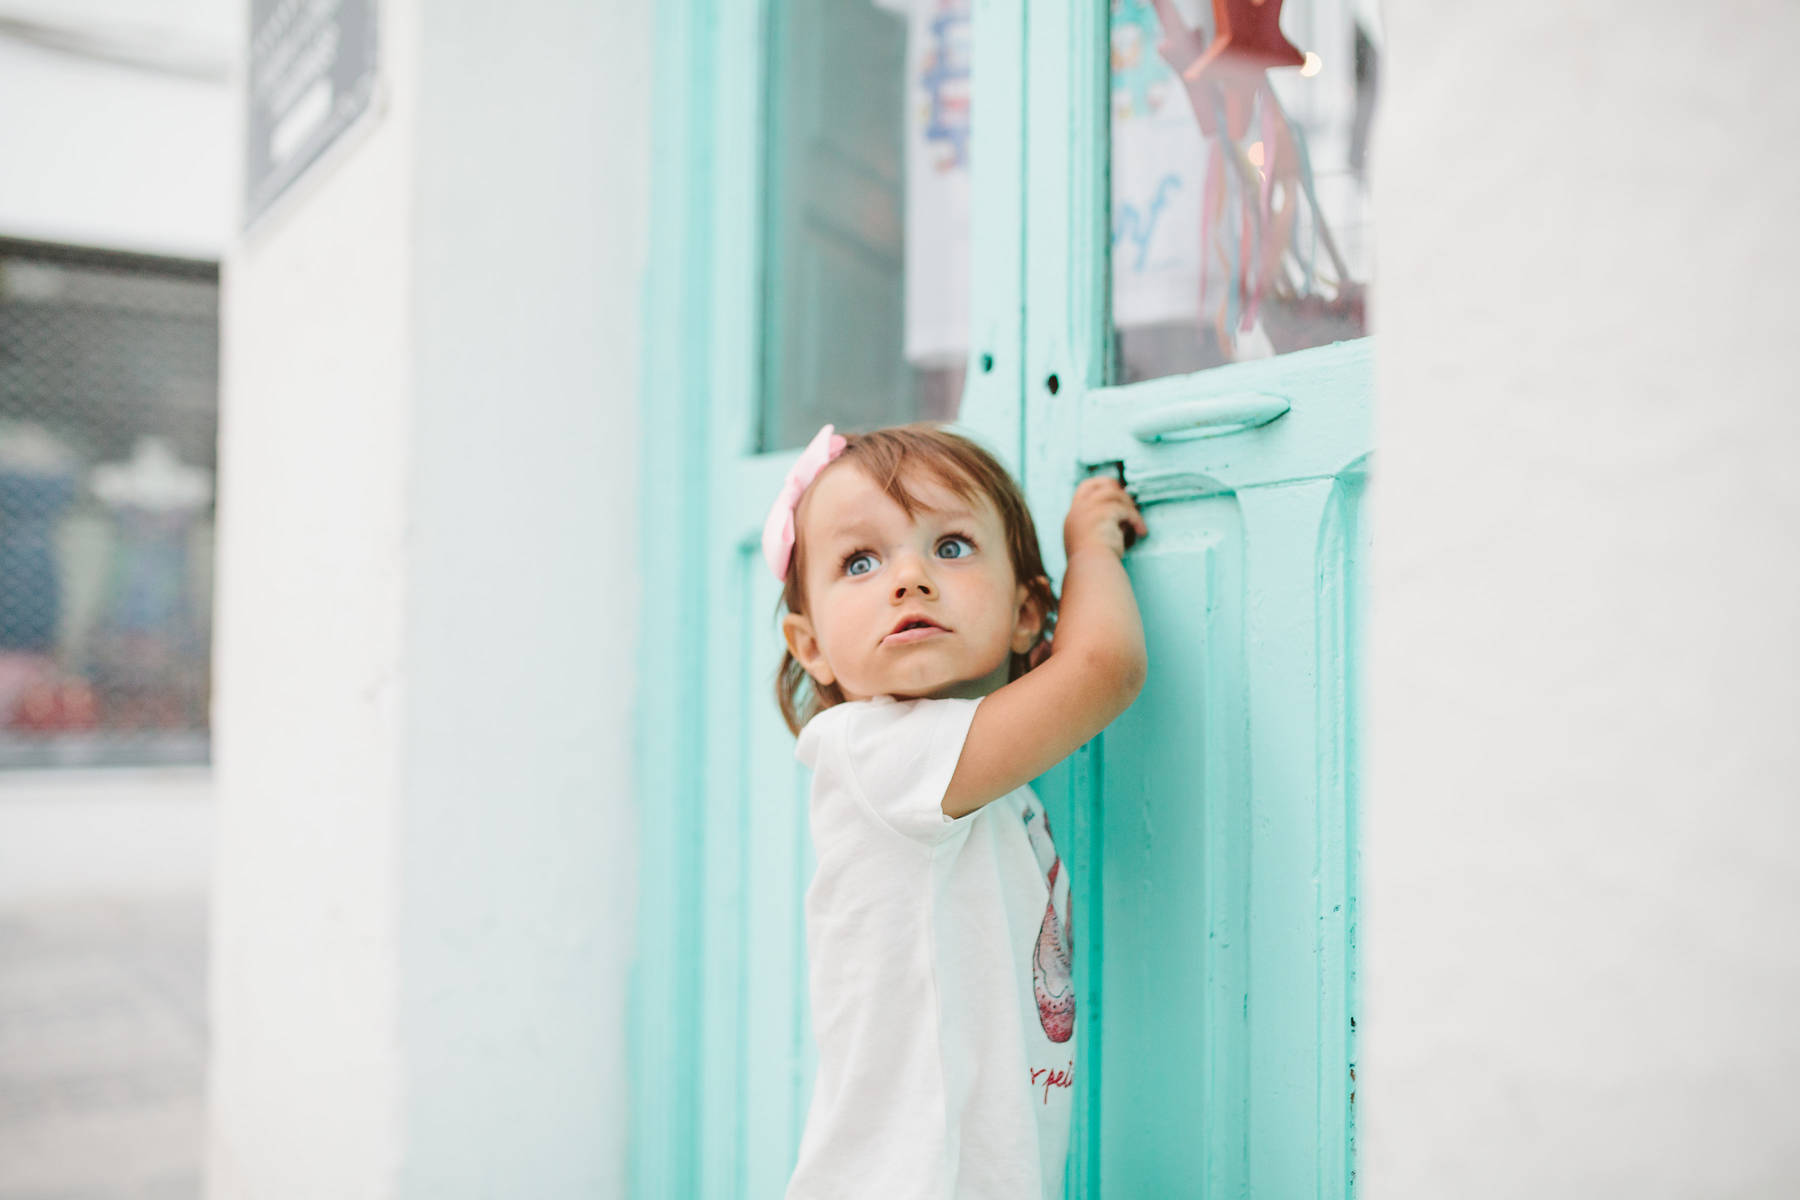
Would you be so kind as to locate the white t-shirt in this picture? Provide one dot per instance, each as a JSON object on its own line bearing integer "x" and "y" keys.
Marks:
{"x": 940, "y": 951}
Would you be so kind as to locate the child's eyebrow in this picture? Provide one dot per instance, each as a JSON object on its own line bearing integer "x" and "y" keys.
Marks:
{"x": 863, "y": 527}
{"x": 852, "y": 529}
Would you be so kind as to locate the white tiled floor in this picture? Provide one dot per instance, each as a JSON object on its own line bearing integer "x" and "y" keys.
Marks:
{"x": 102, "y": 993}
{"x": 102, "y": 1048}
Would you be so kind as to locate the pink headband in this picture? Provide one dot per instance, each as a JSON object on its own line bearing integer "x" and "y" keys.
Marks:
{"x": 778, "y": 530}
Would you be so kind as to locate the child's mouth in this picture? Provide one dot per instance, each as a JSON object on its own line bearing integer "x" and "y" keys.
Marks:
{"x": 915, "y": 633}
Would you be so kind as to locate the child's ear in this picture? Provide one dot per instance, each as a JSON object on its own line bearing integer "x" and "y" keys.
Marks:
{"x": 803, "y": 644}
{"x": 1028, "y": 626}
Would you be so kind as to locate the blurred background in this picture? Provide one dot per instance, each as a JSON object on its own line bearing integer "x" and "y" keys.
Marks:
{"x": 116, "y": 206}
{"x": 338, "y": 441}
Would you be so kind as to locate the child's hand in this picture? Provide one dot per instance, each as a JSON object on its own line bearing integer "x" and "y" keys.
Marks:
{"x": 1096, "y": 665}
{"x": 1100, "y": 514}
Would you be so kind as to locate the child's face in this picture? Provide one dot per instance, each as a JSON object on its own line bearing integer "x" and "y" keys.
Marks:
{"x": 869, "y": 567}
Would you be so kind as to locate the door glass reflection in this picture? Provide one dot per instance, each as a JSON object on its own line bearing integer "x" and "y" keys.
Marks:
{"x": 1239, "y": 194}
{"x": 866, "y": 217}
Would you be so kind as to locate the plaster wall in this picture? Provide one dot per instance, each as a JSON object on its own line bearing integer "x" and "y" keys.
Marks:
{"x": 518, "y": 883}
{"x": 427, "y": 600}
{"x": 317, "y": 395}
{"x": 1579, "y": 896}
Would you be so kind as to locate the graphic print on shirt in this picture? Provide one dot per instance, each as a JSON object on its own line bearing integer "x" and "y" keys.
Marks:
{"x": 1052, "y": 962}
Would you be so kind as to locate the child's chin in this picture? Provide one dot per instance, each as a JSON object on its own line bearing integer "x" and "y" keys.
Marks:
{"x": 945, "y": 681}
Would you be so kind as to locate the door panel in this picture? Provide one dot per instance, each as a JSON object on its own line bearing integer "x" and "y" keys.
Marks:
{"x": 1296, "y": 1002}
{"x": 1225, "y": 802}
{"x": 1174, "y": 815}
{"x": 1215, "y": 820}
{"x": 1219, "y": 870}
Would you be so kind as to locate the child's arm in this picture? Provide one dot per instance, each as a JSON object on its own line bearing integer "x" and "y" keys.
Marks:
{"x": 1095, "y": 672}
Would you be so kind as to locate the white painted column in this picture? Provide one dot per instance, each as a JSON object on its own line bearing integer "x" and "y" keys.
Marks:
{"x": 425, "y": 877}
{"x": 1580, "y": 896}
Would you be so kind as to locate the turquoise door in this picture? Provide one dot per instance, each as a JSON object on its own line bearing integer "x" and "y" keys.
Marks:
{"x": 1211, "y": 829}
{"x": 778, "y": 299}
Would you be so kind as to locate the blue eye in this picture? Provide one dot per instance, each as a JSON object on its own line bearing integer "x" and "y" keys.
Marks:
{"x": 953, "y": 539}
{"x": 848, "y": 566}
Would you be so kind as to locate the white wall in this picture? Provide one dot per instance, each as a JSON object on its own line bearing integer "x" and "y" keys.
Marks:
{"x": 100, "y": 154}
{"x": 314, "y": 452}
{"x": 427, "y": 598}
{"x": 518, "y": 869}
{"x": 1580, "y": 896}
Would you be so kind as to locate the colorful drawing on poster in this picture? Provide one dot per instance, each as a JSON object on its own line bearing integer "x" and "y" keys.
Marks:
{"x": 944, "y": 78}
{"x": 1135, "y": 224}
{"x": 1139, "y": 78}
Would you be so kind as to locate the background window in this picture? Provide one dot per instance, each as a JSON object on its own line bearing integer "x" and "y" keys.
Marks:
{"x": 109, "y": 369}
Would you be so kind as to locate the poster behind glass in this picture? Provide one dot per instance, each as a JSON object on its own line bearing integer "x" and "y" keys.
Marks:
{"x": 1239, "y": 190}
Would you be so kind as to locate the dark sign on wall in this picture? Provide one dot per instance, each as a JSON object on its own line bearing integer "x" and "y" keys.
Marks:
{"x": 312, "y": 73}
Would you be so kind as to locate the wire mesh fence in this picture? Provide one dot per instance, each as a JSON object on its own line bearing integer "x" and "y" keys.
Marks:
{"x": 109, "y": 368}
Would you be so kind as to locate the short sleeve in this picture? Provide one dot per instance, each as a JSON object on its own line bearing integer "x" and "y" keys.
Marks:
{"x": 814, "y": 735}
{"x": 900, "y": 756}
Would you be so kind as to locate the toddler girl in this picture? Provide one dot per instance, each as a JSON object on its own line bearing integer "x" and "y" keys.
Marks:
{"x": 925, "y": 697}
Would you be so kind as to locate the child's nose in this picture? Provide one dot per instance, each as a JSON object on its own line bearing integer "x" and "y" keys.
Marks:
{"x": 910, "y": 576}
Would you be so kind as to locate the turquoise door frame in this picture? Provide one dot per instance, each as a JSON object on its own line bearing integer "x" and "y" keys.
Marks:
{"x": 1213, "y": 826}
{"x": 722, "y": 1061}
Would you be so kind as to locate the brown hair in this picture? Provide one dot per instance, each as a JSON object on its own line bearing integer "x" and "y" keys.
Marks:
{"x": 967, "y": 470}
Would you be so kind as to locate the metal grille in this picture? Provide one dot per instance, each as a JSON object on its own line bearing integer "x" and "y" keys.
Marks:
{"x": 109, "y": 380}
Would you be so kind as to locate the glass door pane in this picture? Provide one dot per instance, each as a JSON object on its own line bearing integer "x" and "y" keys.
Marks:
{"x": 866, "y": 275}
{"x": 1239, "y": 193}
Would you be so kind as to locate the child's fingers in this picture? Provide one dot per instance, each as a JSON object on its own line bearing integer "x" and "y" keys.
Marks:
{"x": 1114, "y": 503}
{"x": 1127, "y": 508}
{"x": 1091, "y": 491}
{"x": 1104, "y": 500}
{"x": 1131, "y": 518}
{"x": 1112, "y": 491}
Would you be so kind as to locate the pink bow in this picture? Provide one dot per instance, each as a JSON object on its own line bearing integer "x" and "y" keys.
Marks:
{"x": 778, "y": 530}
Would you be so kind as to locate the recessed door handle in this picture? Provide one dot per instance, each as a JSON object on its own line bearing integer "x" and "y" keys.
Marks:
{"x": 1215, "y": 416}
